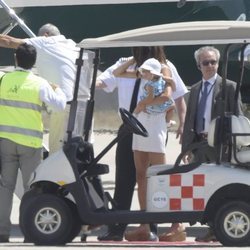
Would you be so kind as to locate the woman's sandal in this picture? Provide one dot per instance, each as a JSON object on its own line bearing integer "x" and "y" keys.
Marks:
{"x": 177, "y": 235}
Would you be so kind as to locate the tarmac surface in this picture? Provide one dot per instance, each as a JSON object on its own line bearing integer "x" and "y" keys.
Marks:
{"x": 102, "y": 140}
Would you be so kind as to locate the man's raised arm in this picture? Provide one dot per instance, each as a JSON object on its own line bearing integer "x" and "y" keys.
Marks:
{"x": 10, "y": 42}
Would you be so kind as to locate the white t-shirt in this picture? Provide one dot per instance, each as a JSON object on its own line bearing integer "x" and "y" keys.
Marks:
{"x": 126, "y": 85}
{"x": 56, "y": 58}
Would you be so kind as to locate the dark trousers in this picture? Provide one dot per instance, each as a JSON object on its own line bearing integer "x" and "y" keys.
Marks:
{"x": 125, "y": 178}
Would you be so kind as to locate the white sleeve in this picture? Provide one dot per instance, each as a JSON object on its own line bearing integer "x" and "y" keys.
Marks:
{"x": 37, "y": 42}
{"x": 109, "y": 79}
{"x": 181, "y": 89}
{"x": 55, "y": 99}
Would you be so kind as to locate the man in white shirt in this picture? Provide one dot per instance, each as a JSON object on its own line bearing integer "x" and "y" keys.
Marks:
{"x": 125, "y": 168}
{"x": 56, "y": 58}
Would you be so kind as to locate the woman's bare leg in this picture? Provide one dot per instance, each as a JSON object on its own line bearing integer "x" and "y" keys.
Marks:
{"x": 141, "y": 163}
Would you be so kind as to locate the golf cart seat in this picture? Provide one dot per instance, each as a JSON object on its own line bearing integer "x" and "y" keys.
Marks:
{"x": 212, "y": 132}
{"x": 240, "y": 140}
{"x": 84, "y": 157}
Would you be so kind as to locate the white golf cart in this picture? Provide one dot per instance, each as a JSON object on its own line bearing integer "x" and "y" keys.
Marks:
{"x": 65, "y": 191}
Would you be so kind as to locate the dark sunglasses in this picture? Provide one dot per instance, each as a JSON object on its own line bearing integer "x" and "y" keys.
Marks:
{"x": 206, "y": 63}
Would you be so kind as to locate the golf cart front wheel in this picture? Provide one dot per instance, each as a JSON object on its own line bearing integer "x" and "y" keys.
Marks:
{"x": 232, "y": 224}
{"x": 48, "y": 220}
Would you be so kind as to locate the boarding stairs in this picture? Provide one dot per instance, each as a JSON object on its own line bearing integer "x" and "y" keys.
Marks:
{"x": 15, "y": 20}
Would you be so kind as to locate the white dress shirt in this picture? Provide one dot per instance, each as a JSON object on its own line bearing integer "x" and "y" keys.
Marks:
{"x": 208, "y": 110}
{"x": 55, "y": 62}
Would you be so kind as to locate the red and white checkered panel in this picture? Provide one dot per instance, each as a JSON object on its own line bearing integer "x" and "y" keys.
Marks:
{"x": 186, "y": 192}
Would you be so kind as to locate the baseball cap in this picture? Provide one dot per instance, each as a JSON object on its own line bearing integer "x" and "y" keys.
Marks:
{"x": 153, "y": 66}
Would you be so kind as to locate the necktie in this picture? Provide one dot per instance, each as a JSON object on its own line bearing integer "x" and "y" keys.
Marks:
{"x": 200, "y": 121}
{"x": 134, "y": 95}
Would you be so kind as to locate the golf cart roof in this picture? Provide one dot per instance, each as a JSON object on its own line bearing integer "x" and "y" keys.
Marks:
{"x": 184, "y": 33}
{"x": 25, "y": 3}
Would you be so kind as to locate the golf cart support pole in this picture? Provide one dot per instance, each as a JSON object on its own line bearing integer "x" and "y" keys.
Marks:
{"x": 91, "y": 101}
{"x": 73, "y": 103}
{"x": 223, "y": 102}
{"x": 242, "y": 63}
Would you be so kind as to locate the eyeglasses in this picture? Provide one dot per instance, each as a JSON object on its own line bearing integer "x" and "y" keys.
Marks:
{"x": 206, "y": 63}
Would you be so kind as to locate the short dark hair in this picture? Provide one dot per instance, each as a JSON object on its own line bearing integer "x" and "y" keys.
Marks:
{"x": 26, "y": 56}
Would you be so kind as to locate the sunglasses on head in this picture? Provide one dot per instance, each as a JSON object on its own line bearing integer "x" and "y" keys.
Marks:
{"x": 207, "y": 62}
{"x": 143, "y": 71}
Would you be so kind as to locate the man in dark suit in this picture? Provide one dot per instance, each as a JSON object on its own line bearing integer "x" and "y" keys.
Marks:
{"x": 204, "y": 105}
{"x": 207, "y": 59}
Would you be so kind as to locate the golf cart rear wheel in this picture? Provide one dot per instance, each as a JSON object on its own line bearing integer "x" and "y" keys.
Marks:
{"x": 134, "y": 125}
{"x": 232, "y": 224}
{"x": 48, "y": 220}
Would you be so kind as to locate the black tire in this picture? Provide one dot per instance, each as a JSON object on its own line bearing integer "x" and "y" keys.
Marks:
{"x": 232, "y": 224}
{"x": 76, "y": 228}
{"x": 47, "y": 220}
{"x": 28, "y": 196}
{"x": 25, "y": 202}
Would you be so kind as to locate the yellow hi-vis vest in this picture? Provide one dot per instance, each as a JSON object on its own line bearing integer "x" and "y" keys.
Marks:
{"x": 20, "y": 109}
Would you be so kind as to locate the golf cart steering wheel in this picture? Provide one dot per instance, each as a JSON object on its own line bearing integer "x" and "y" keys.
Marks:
{"x": 134, "y": 125}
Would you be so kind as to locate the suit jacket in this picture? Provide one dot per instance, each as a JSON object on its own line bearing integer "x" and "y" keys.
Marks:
{"x": 189, "y": 126}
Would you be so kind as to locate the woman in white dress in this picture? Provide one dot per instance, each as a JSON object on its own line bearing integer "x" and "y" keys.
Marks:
{"x": 150, "y": 111}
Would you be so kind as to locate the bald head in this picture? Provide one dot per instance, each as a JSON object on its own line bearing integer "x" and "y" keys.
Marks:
{"x": 48, "y": 30}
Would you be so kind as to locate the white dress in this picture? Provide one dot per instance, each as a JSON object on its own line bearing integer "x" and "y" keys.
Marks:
{"x": 155, "y": 124}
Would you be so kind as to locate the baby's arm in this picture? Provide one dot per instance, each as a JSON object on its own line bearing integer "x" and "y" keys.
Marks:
{"x": 150, "y": 97}
{"x": 164, "y": 97}
{"x": 141, "y": 106}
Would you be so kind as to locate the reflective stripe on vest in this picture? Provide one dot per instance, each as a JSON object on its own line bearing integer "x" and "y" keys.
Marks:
{"x": 20, "y": 109}
{"x": 19, "y": 104}
{"x": 24, "y": 131}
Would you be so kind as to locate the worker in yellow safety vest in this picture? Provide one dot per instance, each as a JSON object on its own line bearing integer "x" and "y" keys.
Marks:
{"x": 21, "y": 128}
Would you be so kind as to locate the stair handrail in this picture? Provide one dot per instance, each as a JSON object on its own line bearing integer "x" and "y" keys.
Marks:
{"x": 17, "y": 21}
